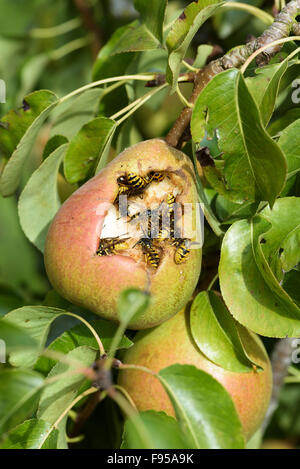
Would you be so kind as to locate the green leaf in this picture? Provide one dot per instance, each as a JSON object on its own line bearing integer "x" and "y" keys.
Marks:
{"x": 183, "y": 31}
{"x": 270, "y": 264}
{"x": 289, "y": 144}
{"x": 17, "y": 135}
{"x": 131, "y": 304}
{"x": 19, "y": 394}
{"x": 280, "y": 244}
{"x": 78, "y": 336}
{"x": 19, "y": 261}
{"x": 255, "y": 166}
{"x": 253, "y": 257}
{"x": 36, "y": 322}
{"x": 216, "y": 333}
{"x": 14, "y": 336}
{"x": 72, "y": 115}
{"x": 145, "y": 33}
{"x": 133, "y": 37}
{"x": 39, "y": 200}
{"x": 62, "y": 442}
{"x": 282, "y": 122}
{"x": 291, "y": 284}
{"x": 136, "y": 37}
{"x": 106, "y": 64}
{"x": 229, "y": 212}
{"x": 203, "y": 52}
{"x": 31, "y": 434}
{"x": 105, "y": 152}
{"x": 207, "y": 210}
{"x": 152, "y": 15}
{"x": 264, "y": 87}
{"x": 256, "y": 440}
{"x": 58, "y": 395}
{"x": 53, "y": 143}
{"x": 204, "y": 409}
{"x": 87, "y": 148}
{"x": 163, "y": 432}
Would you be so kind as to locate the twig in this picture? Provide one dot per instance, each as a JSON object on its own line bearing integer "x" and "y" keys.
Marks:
{"x": 105, "y": 81}
{"x": 87, "y": 16}
{"x": 282, "y": 26}
{"x": 160, "y": 79}
{"x": 183, "y": 98}
{"x": 73, "y": 403}
{"x": 85, "y": 413}
{"x": 87, "y": 324}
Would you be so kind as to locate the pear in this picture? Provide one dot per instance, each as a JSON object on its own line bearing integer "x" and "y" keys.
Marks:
{"x": 95, "y": 249}
{"x": 170, "y": 343}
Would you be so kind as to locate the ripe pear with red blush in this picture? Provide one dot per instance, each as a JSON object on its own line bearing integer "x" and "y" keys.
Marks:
{"x": 171, "y": 343}
{"x": 94, "y": 278}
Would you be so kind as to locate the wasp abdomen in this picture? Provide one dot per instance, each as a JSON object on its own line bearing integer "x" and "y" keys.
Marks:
{"x": 151, "y": 253}
{"x": 136, "y": 181}
{"x": 182, "y": 251}
{"x": 109, "y": 246}
{"x": 155, "y": 176}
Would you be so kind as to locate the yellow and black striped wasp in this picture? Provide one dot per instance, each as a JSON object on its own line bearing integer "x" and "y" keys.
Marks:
{"x": 149, "y": 222}
{"x": 152, "y": 254}
{"x": 171, "y": 199}
{"x": 150, "y": 251}
{"x": 109, "y": 246}
{"x": 154, "y": 176}
{"x": 182, "y": 249}
{"x": 131, "y": 183}
{"x": 167, "y": 220}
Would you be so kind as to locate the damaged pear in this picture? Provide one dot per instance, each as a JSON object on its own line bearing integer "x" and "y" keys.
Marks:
{"x": 136, "y": 224}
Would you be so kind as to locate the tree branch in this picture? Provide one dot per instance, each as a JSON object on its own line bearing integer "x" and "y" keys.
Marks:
{"x": 283, "y": 24}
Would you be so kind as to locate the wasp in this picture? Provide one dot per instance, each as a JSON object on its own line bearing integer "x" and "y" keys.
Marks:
{"x": 167, "y": 230}
{"x": 109, "y": 246}
{"x": 142, "y": 215}
{"x": 150, "y": 222}
{"x": 151, "y": 253}
{"x": 182, "y": 250}
{"x": 163, "y": 234}
{"x": 131, "y": 182}
{"x": 171, "y": 199}
{"x": 154, "y": 176}
{"x": 124, "y": 190}
{"x": 153, "y": 223}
